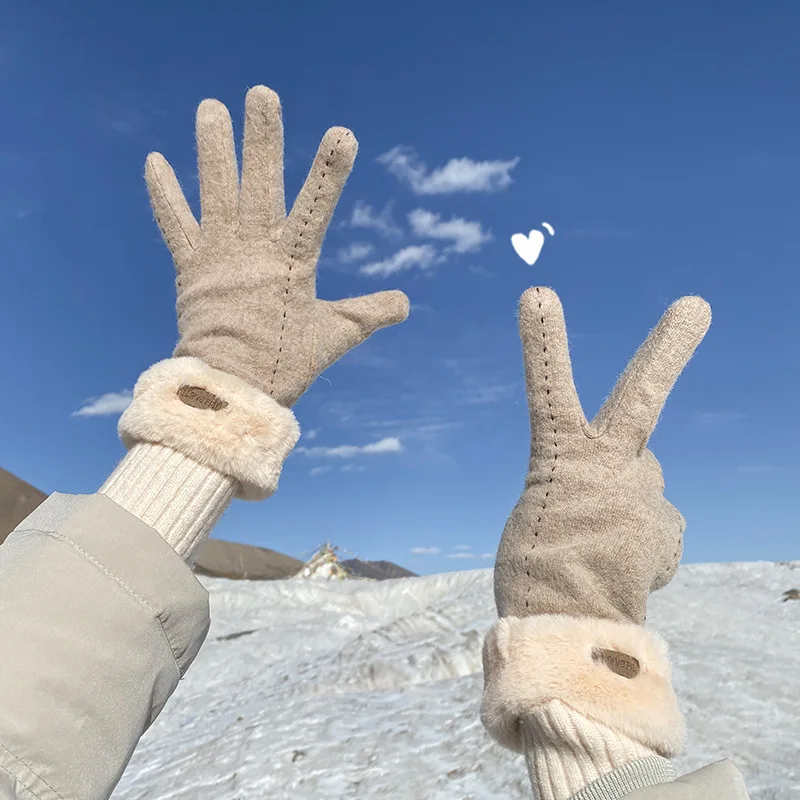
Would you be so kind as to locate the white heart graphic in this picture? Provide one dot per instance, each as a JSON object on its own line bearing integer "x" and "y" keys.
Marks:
{"x": 528, "y": 247}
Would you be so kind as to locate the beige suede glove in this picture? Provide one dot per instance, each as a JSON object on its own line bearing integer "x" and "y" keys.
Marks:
{"x": 247, "y": 301}
{"x": 571, "y": 678}
{"x": 592, "y": 534}
{"x": 214, "y": 421}
{"x": 253, "y": 334}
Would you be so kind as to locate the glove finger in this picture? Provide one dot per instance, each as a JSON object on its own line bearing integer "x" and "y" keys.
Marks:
{"x": 631, "y": 413}
{"x": 216, "y": 157}
{"x": 552, "y": 398}
{"x": 173, "y": 215}
{"x": 261, "y": 202}
{"x": 346, "y": 323}
{"x": 314, "y": 207}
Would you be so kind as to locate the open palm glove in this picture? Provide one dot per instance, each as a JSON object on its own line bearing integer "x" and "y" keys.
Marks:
{"x": 253, "y": 333}
{"x": 572, "y": 679}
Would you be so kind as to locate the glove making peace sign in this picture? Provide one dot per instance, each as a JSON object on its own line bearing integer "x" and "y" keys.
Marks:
{"x": 592, "y": 534}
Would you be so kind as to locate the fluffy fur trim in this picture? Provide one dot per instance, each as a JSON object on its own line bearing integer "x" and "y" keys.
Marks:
{"x": 530, "y": 661}
{"x": 248, "y": 439}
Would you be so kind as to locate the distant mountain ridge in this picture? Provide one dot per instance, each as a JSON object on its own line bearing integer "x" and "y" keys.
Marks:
{"x": 377, "y": 570}
{"x": 17, "y": 500}
{"x": 215, "y": 558}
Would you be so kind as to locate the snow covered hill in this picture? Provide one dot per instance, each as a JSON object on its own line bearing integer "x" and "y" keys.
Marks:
{"x": 357, "y": 689}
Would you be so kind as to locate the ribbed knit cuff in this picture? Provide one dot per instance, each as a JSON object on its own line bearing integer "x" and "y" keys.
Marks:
{"x": 565, "y": 751}
{"x": 176, "y": 496}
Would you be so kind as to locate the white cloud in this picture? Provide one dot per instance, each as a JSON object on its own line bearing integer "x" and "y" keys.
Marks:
{"x": 319, "y": 470}
{"x": 365, "y": 216}
{"x": 105, "y": 405}
{"x": 457, "y": 175}
{"x": 462, "y": 547}
{"x": 390, "y": 444}
{"x": 467, "y": 237}
{"x": 463, "y": 553}
{"x": 312, "y": 433}
{"x": 352, "y": 468}
{"x": 357, "y": 251}
{"x": 422, "y": 256}
{"x": 425, "y": 551}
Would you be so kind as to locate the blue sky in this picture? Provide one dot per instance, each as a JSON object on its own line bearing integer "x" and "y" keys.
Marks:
{"x": 660, "y": 144}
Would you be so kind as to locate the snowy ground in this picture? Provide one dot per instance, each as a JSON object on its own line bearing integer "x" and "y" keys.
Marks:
{"x": 372, "y": 690}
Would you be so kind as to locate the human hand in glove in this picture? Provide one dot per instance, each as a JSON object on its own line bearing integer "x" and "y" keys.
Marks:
{"x": 247, "y": 302}
{"x": 253, "y": 333}
{"x": 591, "y": 536}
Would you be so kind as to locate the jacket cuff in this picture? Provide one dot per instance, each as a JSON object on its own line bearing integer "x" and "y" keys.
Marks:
{"x": 640, "y": 774}
{"x": 614, "y": 674}
{"x": 101, "y": 620}
{"x": 216, "y": 419}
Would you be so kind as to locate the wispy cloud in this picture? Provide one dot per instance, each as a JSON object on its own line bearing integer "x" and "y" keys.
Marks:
{"x": 352, "y": 468}
{"x": 462, "y": 555}
{"x": 365, "y": 216}
{"x": 312, "y": 433}
{"x": 483, "y": 394}
{"x": 425, "y": 551}
{"x": 478, "y": 385}
{"x": 457, "y": 175}
{"x": 416, "y": 256}
{"x": 466, "y": 236}
{"x": 717, "y": 419}
{"x": 462, "y": 547}
{"x": 105, "y": 405}
{"x": 423, "y": 429}
{"x": 390, "y": 444}
{"x": 357, "y": 251}
{"x": 319, "y": 470}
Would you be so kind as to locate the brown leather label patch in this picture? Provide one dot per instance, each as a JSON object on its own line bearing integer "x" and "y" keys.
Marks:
{"x": 197, "y": 397}
{"x": 619, "y": 663}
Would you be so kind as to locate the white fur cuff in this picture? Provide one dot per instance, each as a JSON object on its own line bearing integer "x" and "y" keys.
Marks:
{"x": 530, "y": 661}
{"x": 215, "y": 419}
